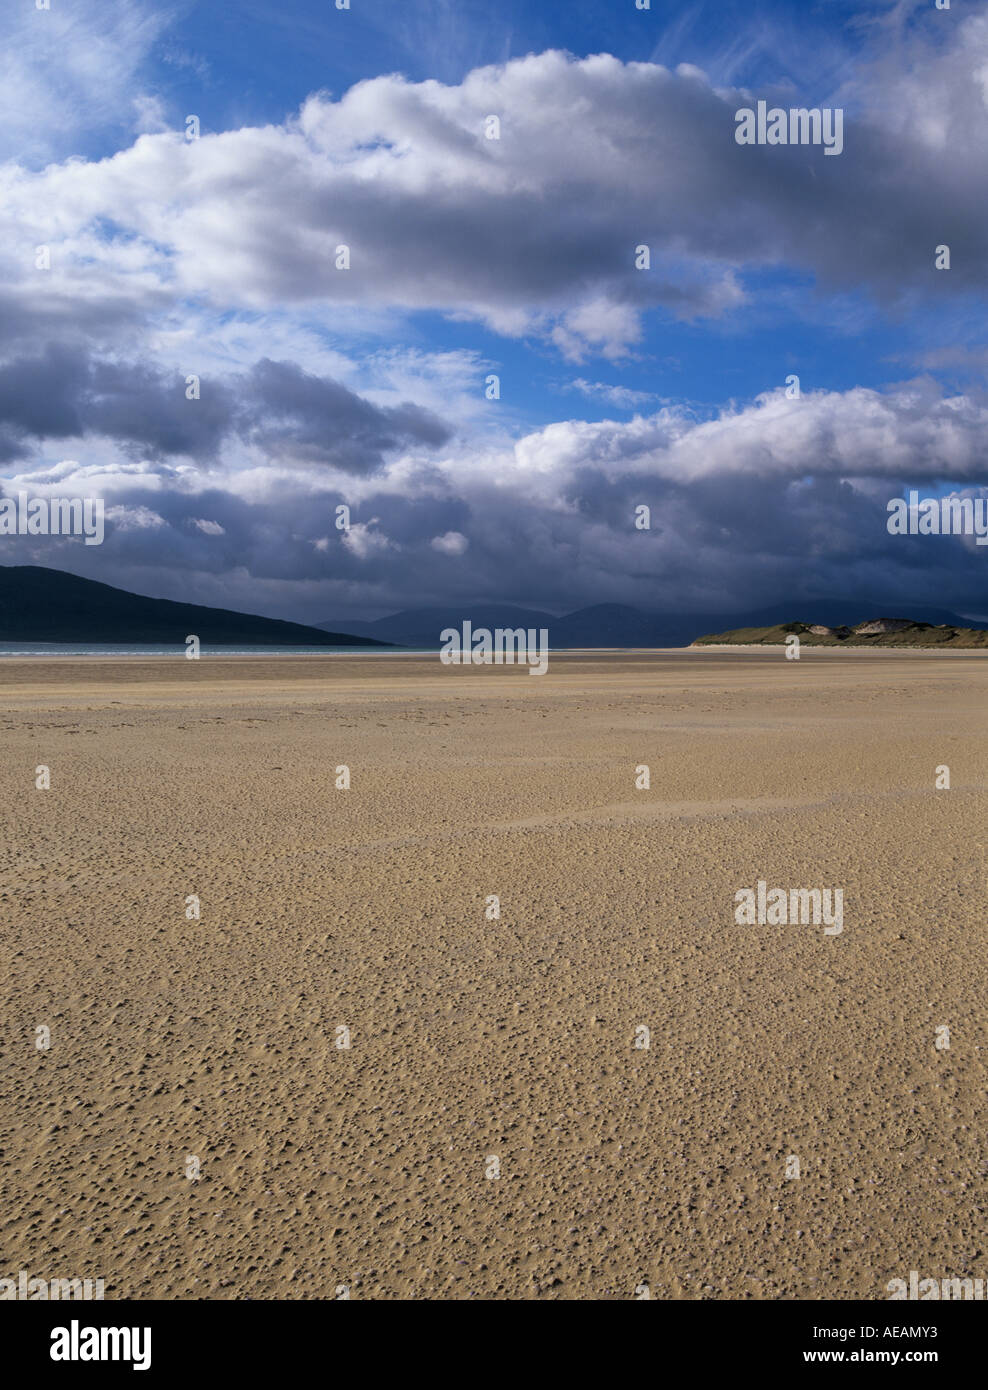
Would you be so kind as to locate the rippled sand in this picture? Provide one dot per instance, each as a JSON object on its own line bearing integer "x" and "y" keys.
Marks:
{"x": 474, "y": 1040}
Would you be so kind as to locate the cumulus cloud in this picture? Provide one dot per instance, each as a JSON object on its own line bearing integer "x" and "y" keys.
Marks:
{"x": 65, "y": 392}
{"x": 776, "y": 496}
{"x": 534, "y": 232}
{"x": 452, "y": 543}
{"x": 219, "y": 257}
{"x": 365, "y": 541}
{"x": 290, "y": 412}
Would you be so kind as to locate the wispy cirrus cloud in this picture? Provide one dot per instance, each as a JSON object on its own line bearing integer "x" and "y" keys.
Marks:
{"x": 71, "y": 71}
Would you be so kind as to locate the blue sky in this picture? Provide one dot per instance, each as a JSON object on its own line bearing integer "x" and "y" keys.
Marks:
{"x": 255, "y": 63}
{"x": 260, "y": 59}
{"x": 366, "y": 127}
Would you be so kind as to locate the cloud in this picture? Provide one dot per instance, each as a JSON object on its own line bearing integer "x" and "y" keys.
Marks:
{"x": 776, "y": 496}
{"x": 533, "y": 233}
{"x": 364, "y": 541}
{"x": 69, "y": 71}
{"x": 621, "y": 396}
{"x": 452, "y": 543}
{"x": 276, "y": 407}
{"x": 218, "y": 257}
{"x": 291, "y": 413}
{"x": 149, "y": 115}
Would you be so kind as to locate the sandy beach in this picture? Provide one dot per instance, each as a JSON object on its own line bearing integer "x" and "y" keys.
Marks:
{"x": 492, "y": 1130}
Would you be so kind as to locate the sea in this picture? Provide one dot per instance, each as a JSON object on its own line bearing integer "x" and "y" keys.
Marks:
{"x": 178, "y": 652}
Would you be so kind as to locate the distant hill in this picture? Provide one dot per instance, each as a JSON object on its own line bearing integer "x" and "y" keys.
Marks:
{"x": 874, "y": 632}
{"x": 606, "y": 624}
{"x": 420, "y": 627}
{"x": 45, "y": 605}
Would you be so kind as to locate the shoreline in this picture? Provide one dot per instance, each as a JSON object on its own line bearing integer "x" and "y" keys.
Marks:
{"x": 560, "y": 653}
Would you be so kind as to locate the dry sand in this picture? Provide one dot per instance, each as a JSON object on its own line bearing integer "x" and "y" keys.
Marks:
{"x": 366, "y": 1167}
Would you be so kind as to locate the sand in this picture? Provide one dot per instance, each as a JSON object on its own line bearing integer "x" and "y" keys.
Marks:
{"x": 365, "y": 1168}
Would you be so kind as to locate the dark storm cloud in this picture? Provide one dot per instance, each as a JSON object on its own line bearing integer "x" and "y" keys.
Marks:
{"x": 531, "y": 233}
{"x": 65, "y": 393}
{"x": 288, "y": 412}
{"x": 783, "y": 497}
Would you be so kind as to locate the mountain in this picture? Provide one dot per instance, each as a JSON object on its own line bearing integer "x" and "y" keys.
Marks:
{"x": 609, "y": 624}
{"x": 616, "y": 625}
{"x": 420, "y": 627}
{"x": 44, "y": 605}
{"x": 874, "y": 632}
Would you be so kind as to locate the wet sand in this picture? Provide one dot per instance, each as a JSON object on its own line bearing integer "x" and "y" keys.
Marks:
{"x": 366, "y": 1167}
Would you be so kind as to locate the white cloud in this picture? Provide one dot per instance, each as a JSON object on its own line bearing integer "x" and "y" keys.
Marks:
{"x": 218, "y": 257}
{"x": 532, "y": 234}
{"x": 149, "y": 115}
{"x": 134, "y": 518}
{"x": 364, "y": 541}
{"x": 452, "y": 543}
{"x": 622, "y": 396}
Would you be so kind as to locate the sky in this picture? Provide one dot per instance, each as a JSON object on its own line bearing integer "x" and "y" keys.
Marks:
{"x": 182, "y": 336}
